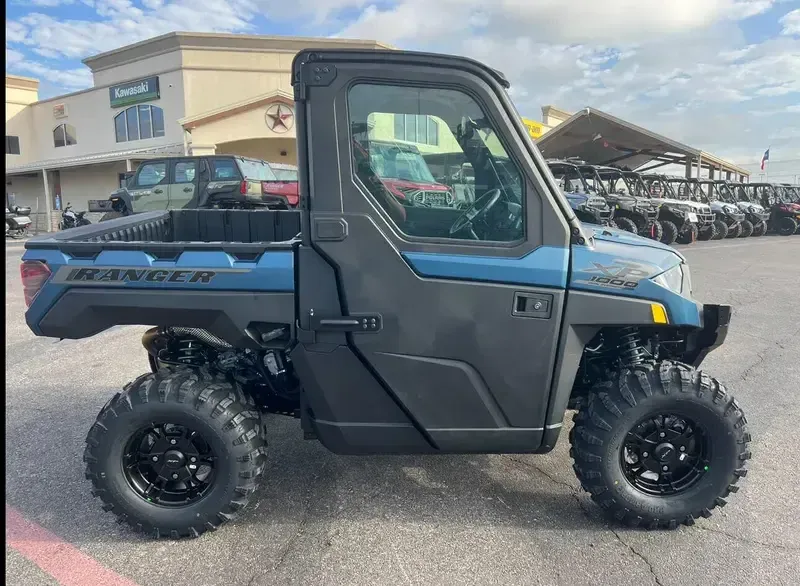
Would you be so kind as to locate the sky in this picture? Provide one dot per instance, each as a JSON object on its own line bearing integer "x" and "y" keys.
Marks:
{"x": 721, "y": 75}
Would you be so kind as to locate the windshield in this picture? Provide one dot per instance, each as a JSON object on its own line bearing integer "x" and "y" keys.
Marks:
{"x": 593, "y": 180}
{"x": 725, "y": 192}
{"x": 391, "y": 161}
{"x": 256, "y": 170}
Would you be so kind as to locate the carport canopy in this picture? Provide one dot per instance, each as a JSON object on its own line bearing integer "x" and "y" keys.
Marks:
{"x": 602, "y": 139}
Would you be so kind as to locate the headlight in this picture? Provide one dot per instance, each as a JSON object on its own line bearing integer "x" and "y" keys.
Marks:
{"x": 677, "y": 279}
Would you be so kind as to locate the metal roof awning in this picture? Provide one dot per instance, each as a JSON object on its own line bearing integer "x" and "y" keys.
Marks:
{"x": 96, "y": 159}
{"x": 602, "y": 139}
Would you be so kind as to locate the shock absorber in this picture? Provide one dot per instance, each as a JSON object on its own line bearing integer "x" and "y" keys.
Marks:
{"x": 631, "y": 351}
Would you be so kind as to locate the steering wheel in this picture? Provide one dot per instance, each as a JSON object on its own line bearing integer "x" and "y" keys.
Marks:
{"x": 479, "y": 208}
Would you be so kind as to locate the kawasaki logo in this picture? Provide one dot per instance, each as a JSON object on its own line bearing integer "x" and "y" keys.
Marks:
{"x": 142, "y": 88}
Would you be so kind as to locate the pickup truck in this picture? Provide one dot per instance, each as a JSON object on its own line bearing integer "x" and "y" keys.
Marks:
{"x": 390, "y": 329}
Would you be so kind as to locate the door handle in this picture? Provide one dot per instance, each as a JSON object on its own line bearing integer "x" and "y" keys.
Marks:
{"x": 158, "y": 191}
{"x": 187, "y": 189}
{"x": 532, "y": 305}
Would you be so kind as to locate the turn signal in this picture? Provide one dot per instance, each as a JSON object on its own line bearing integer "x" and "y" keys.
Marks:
{"x": 659, "y": 313}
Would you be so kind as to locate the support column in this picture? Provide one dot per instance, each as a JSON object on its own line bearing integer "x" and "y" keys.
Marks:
{"x": 688, "y": 168}
{"x": 48, "y": 205}
{"x": 699, "y": 165}
{"x": 128, "y": 166}
{"x": 711, "y": 173}
{"x": 728, "y": 175}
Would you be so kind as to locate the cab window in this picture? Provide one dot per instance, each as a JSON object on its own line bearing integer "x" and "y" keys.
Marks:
{"x": 185, "y": 171}
{"x": 484, "y": 201}
{"x": 225, "y": 170}
{"x": 151, "y": 174}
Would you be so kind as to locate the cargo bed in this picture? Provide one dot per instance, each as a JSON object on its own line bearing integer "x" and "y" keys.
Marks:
{"x": 228, "y": 271}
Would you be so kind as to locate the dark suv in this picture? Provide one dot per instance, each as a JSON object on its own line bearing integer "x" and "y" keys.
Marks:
{"x": 215, "y": 181}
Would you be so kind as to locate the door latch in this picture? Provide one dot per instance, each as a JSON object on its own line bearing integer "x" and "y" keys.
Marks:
{"x": 537, "y": 305}
{"x": 362, "y": 322}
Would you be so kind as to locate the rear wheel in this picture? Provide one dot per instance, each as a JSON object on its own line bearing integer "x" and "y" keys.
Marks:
{"x": 689, "y": 235}
{"x": 659, "y": 445}
{"x": 655, "y": 231}
{"x": 735, "y": 231}
{"x": 760, "y": 229}
{"x": 722, "y": 229}
{"x": 787, "y": 226}
{"x": 627, "y": 224}
{"x": 111, "y": 216}
{"x": 670, "y": 231}
{"x": 177, "y": 453}
{"x": 708, "y": 233}
{"x": 747, "y": 229}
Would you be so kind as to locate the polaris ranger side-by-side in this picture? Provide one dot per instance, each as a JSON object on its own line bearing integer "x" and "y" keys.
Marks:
{"x": 784, "y": 214}
{"x": 682, "y": 219}
{"x": 394, "y": 329}
{"x": 706, "y": 191}
{"x": 633, "y": 212}
{"x": 735, "y": 193}
{"x": 585, "y": 201}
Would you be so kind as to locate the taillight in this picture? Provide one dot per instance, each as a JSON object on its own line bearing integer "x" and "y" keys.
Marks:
{"x": 243, "y": 188}
{"x": 34, "y": 275}
{"x": 293, "y": 199}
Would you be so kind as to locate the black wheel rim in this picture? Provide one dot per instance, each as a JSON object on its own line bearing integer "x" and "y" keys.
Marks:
{"x": 169, "y": 465}
{"x": 665, "y": 454}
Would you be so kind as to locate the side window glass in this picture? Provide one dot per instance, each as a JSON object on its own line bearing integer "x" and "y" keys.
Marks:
{"x": 224, "y": 170}
{"x": 433, "y": 161}
{"x": 185, "y": 171}
{"x": 151, "y": 174}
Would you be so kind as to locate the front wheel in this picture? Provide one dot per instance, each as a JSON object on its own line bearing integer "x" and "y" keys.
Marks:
{"x": 787, "y": 226}
{"x": 669, "y": 231}
{"x": 627, "y": 224}
{"x": 722, "y": 230}
{"x": 760, "y": 229}
{"x": 708, "y": 233}
{"x": 747, "y": 229}
{"x": 177, "y": 453}
{"x": 659, "y": 445}
{"x": 735, "y": 231}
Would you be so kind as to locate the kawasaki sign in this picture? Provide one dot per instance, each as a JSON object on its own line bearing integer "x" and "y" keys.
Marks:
{"x": 134, "y": 92}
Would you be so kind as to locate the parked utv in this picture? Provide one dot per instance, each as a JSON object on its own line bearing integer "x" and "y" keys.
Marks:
{"x": 218, "y": 181}
{"x": 738, "y": 225}
{"x": 681, "y": 218}
{"x": 784, "y": 214}
{"x": 735, "y": 193}
{"x": 633, "y": 212}
{"x": 587, "y": 205}
{"x": 391, "y": 329}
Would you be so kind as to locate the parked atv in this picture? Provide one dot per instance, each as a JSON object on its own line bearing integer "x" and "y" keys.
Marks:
{"x": 682, "y": 218}
{"x": 586, "y": 203}
{"x": 738, "y": 224}
{"x": 735, "y": 193}
{"x": 633, "y": 211}
{"x": 784, "y": 218}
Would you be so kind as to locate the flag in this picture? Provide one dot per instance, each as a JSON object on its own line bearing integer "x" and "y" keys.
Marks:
{"x": 764, "y": 159}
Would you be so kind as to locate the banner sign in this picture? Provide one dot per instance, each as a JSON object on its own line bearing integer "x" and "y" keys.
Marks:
{"x": 134, "y": 92}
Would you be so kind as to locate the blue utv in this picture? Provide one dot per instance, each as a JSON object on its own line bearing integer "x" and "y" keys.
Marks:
{"x": 391, "y": 329}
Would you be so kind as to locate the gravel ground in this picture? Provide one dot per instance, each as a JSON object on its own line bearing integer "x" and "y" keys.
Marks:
{"x": 319, "y": 518}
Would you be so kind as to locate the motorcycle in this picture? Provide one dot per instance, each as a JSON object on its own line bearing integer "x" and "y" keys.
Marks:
{"x": 72, "y": 219}
{"x": 18, "y": 219}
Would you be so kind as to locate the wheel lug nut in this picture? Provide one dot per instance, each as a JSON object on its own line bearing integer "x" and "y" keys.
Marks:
{"x": 665, "y": 468}
{"x": 645, "y": 454}
{"x": 175, "y": 476}
{"x": 683, "y": 448}
{"x": 155, "y": 458}
{"x": 662, "y": 434}
{"x": 193, "y": 459}
{"x": 173, "y": 442}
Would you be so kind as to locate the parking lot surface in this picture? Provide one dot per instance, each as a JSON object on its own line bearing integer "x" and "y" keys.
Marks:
{"x": 321, "y": 519}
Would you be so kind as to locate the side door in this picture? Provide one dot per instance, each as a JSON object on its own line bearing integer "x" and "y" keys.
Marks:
{"x": 456, "y": 313}
{"x": 185, "y": 174}
{"x": 149, "y": 189}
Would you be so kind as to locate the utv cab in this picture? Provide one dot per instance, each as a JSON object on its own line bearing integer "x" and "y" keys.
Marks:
{"x": 633, "y": 211}
{"x": 588, "y": 205}
{"x": 682, "y": 219}
{"x": 735, "y": 193}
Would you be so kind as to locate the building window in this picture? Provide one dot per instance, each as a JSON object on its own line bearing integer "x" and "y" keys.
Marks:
{"x": 64, "y": 135}
{"x": 139, "y": 122}
{"x": 416, "y": 128}
{"x": 12, "y": 145}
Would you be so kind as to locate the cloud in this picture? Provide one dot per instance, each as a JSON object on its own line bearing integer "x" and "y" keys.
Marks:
{"x": 791, "y": 23}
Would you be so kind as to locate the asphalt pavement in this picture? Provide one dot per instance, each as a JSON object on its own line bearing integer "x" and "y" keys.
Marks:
{"x": 323, "y": 519}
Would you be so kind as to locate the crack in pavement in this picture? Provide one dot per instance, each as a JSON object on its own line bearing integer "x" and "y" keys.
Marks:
{"x": 748, "y": 540}
{"x": 576, "y": 494}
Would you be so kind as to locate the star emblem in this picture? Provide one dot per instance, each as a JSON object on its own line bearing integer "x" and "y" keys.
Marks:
{"x": 280, "y": 118}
